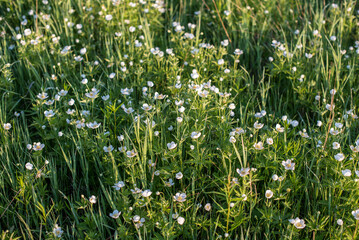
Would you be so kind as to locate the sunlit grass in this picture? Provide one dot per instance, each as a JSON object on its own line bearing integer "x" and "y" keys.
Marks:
{"x": 179, "y": 119}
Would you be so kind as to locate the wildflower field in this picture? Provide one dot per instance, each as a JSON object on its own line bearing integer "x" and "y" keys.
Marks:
{"x": 179, "y": 119}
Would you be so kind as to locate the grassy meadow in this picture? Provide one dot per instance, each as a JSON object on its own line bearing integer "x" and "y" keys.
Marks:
{"x": 179, "y": 119}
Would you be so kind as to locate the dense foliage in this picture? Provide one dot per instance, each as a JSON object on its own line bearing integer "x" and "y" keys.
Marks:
{"x": 179, "y": 119}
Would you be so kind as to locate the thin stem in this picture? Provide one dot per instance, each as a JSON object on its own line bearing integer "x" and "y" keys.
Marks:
{"x": 356, "y": 228}
{"x": 331, "y": 117}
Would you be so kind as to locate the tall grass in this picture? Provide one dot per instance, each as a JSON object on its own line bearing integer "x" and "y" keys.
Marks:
{"x": 180, "y": 90}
